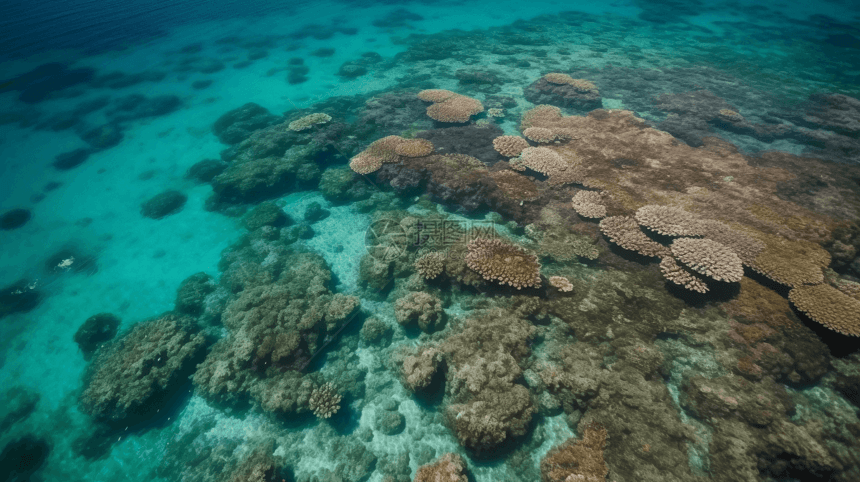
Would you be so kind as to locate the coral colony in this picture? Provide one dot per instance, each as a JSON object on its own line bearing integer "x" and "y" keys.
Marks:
{"x": 441, "y": 280}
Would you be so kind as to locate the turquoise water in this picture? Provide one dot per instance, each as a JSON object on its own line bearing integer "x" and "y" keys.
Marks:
{"x": 743, "y": 115}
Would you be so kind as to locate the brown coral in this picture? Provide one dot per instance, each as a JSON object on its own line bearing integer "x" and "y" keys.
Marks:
{"x": 379, "y": 152}
{"x": 418, "y": 369}
{"x": 449, "y": 468}
{"x": 365, "y": 164}
{"x": 681, "y": 277}
{"x": 509, "y": 146}
{"x": 580, "y": 85}
{"x": 309, "y": 121}
{"x": 435, "y": 95}
{"x": 128, "y": 375}
{"x": 582, "y": 460}
{"x": 504, "y": 263}
{"x": 325, "y": 401}
{"x": 515, "y": 186}
{"x": 709, "y": 258}
{"x": 625, "y": 232}
{"x": 828, "y": 306}
{"x": 589, "y": 204}
{"x": 419, "y": 307}
{"x": 455, "y": 108}
{"x": 539, "y": 134}
{"x": 668, "y": 220}
{"x": 430, "y": 265}
{"x": 791, "y": 263}
{"x": 414, "y": 148}
{"x": 563, "y": 284}
{"x": 542, "y": 160}
{"x": 746, "y": 247}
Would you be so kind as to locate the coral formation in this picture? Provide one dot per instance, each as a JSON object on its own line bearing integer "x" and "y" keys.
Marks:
{"x": 561, "y": 283}
{"x": 430, "y": 265}
{"x": 163, "y": 204}
{"x": 450, "y": 107}
{"x": 325, "y": 401}
{"x": 510, "y": 146}
{"x": 308, "y": 121}
{"x": 539, "y": 134}
{"x": 95, "y": 331}
{"x": 414, "y": 148}
{"x": 589, "y": 204}
{"x": 421, "y": 308}
{"x": 668, "y": 220}
{"x": 577, "y": 460}
{"x": 449, "y": 468}
{"x": 708, "y": 258}
{"x": 625, "y": 232}
{"x": 828, "y": 306}
{"x": 128, "y": 379}
{"x": 503, "y": 263}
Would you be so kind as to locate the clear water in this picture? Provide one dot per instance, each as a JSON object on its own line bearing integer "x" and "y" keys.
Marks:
{"x": 739, "y": 384}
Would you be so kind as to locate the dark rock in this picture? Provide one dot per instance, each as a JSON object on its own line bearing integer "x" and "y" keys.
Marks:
{"x": 201, "y": 84}
{"x": 258, "y": 54}
{"x": 302, "y": 231}
{"x": 201, "y": 64}
{"x": 315, "y": 212}
{"x": 470, "y": 140}
{"x": 103, "y": 137}
{"x": 119, "y": 80}
{"x": 351, "y": 70}
{"x": 14, "y": 219}
{"x": 37, "y": 198}
{"x": 52, "y": 186}
{"x": 296, "y": 61}
{"x": 323, "y": 52}
{"x": 95, "y": 331}
{"x": 22, "y": 458}
{"x": 564, "y": 95}
{"x": 242, "y": 65}
{"x": 163, "y": 204}
{"x": 389, "y": 422}
{"x": 237, "y": 124}
{"x": 265, "y": 214}
{"x": 19, "y": 297}
{"x": 16, "y": 404}
{"x": 69, "y": 160}
{"x": 192, "y": 293}
{"x": 138, "y": 106}
{"x": 397, "y": 18}
{"x": 205, "y": 170}
{"x": 37, "y": 84}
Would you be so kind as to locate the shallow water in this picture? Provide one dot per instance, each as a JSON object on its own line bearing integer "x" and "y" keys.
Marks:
{"x": 463, "y": 299}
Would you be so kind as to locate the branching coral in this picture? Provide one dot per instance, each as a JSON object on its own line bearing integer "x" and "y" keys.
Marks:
{"x": 379, "y": 152}
{"x": 539, "y": 134}
{"x": 450, "y": 107}
{"x": 325, "y": 401}
{"x": 668, "y": 220}
{"x": 709, "y": 258}
{"x": 510, "y": 146}
{"x": 625, "y": 232}
{"x": 504, "y": 263}
{"x": 561, "y": 283}
{"x": 430, "y": 265}
{"x": 828, "y": 306}
{"x": 589, "y": 204}
{"x": 681, "y": 277}
{"x": 414, "y": 148}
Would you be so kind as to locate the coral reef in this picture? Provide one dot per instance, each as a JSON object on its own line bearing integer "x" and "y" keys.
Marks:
{"x": 129, "y": 378}
{"x": 325, "y": 401}
{"x": 163, "y": 204}
{"x": 421, "y": 308}
{"x": 449, "y": 468}
{"x": 577, "y": 460}
{"x": 504, "y": 263}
